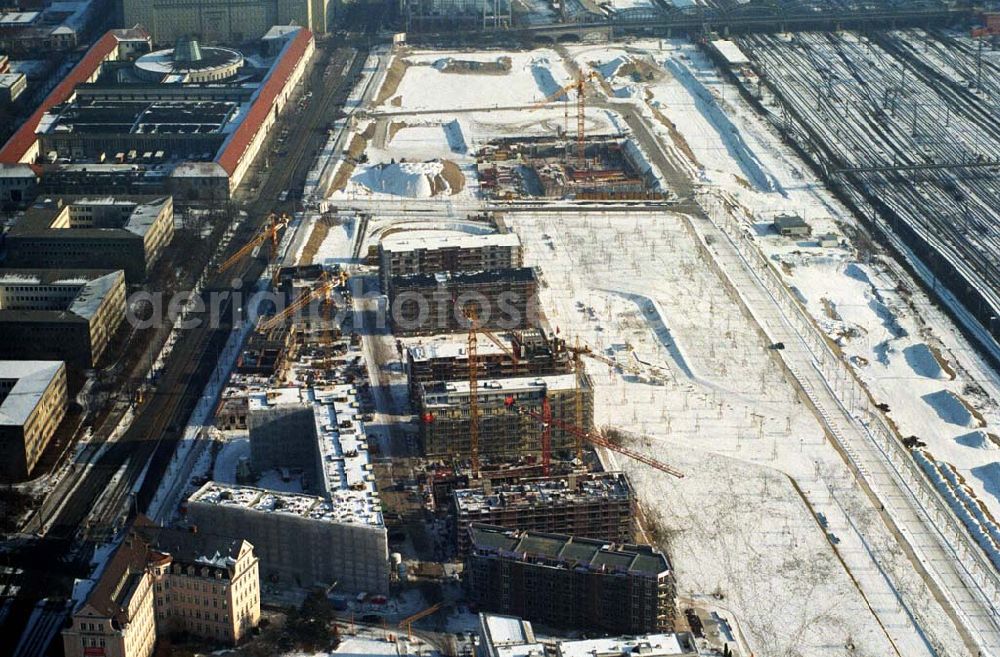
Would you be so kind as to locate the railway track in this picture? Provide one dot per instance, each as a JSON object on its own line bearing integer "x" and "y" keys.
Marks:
{"x": 870, "y": 104}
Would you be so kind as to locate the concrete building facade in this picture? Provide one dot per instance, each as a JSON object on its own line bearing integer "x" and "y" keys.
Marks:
{"x": 303, "y": 540}
{"x": 127, "y": 233}
{"x": 504, "y": 299}
{"x": 224, "y": 21}
{"x": 401, "y": 254}
{"x": 60, "y": 314}
{"x": 570, "y": 582}
{"x": 598, "y": 505}
{"x": 33, "y": 402}
{"x": 503, "y": 431}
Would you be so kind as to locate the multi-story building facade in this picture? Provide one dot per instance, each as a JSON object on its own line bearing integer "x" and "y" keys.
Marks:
{"x": 532, "y": 352}
{"x": 567, "y": 581}
{"x": 598, "y": 505}
{"x": 60, "y": 314}
{"x": 224, "y": 21}
{"x": 33, "y": 402}
{"x": 127, "y": 233}
{"x": 504, "y": 300}
{"x": 161, "y": 582}
{"x": 503, "y": 430}
{"x": 430, "y": 252}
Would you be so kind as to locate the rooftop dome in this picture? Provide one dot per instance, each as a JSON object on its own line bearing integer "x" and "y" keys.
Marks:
{"x": 187, "y": 50}
{"x": 188, "y": 61}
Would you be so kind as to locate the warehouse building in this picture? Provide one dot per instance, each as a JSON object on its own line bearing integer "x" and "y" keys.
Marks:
{"x": 222, "y": 21}
{"x": 60, "y": 314}
{"x": 127, "y": 233}
{"x": 162, "y": 582}
{"x": 532, "y": 352}
{"x": 33, "y": 402}
{"x": 598, "y": 505}
{"x": 570, "y": 582}
{"x": 187, "y": 121}
{"x": 505, "y": 299}
{"x": 503, "y": 431}
{"x": 335, "y": 536}
{"x": 430, "y": 252}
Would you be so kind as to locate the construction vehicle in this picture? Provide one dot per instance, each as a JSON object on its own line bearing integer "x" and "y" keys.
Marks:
{"x": 270, "y": 231}
{"x": 580, "y": 87}
{"x": 321, "y": 291}
{"x": 410, "y": 620}
{"x": 592, "y": 438}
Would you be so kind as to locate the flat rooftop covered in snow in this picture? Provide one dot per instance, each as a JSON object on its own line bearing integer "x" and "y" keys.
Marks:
{"x": 92, "y": 216}
{"x": 508, "y": 636}
{"x": 348, "y": 483}
{"x": 517, "y": 384}
{"x": 447, "y": 345}
{"x": 647, "y": 645}
{"x": 31, "y": 378}
{"x": 553, "y": 490}
{"x": 429, "y": 240}
{"x": 62, "y": 294}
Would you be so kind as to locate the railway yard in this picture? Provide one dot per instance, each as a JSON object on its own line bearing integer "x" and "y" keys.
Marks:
{"x": 717, "y": 315}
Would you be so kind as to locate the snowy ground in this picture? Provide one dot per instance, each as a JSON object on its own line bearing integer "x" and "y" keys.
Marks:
{"x": 768, "y": 514}
{"x": 908, "y": 354}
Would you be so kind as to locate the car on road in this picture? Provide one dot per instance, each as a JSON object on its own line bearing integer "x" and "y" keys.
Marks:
{"x": 283, "y": 196}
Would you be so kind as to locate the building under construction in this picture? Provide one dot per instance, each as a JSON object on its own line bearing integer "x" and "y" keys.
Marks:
{"x": 266, "y": 352}
{"x": 597, "y": 505}
{"x": 505, "y": 429}
{"x": 532, "y": 352}
{"x": 570, "y": 582}
{"x": 611, "y": 168}
{"x": 505, "y": 299}
{"x": 430, "y": 252}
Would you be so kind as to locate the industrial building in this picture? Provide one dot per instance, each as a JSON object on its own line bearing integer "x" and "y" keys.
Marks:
{"x": 505, "y": 299}
{"x": 570, "y": 582}
{"x": 187, "y": 120}
{"x": 33, "y": 402}
{"x": 597, "y": 505}
{"x": 127, "y": 233}
{"x": 532, "y": 352}
{"x": 503, "y": 430}
{"x": 60, "y": 314}
{"x": 510, "y": 636}
{"x": 167, "y": 581}
{"x": 430, "y": 252}
{"x": 222, "y": 21}
{"x": 333, "y": 534}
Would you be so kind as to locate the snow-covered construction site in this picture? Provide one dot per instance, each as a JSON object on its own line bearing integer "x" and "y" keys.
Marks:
{"x": 811, "y": 439}
{"x": 588, "y": 320}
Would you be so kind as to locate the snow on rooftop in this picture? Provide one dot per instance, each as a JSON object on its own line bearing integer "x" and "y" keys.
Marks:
{"x": 446, "y": 345}
{"x": 649, "y": 645}
{"x": 441, "y": 239}
{"x": 552, "y": 382}
{"x": 92, "y": 293}
{"x": 32, "y": 378}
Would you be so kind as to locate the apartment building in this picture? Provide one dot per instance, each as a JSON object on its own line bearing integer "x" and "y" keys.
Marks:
{"x": 127, "y": 233}
{"x": 504, "y": 300}
{"x": 532, "y": 352}
{"x": 598, "y": 505}
{"x": 430, "y": 252}
{"x": 164, "y": 581}
{"x": 60, "y": 314}
{"x": 503, "y": 430}
{"x": 570, "y": 582}
{"x": 33, "y": 402}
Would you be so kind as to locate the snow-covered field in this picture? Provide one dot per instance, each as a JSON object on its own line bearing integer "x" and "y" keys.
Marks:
{"x": 768, "y": 515}
{"x": 426, "y": 85}
{"x": 908, "y": 354}
{"x": 736, "y": 426}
